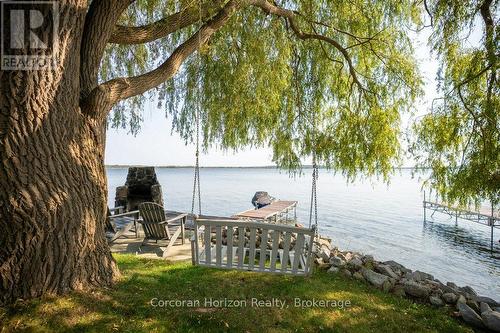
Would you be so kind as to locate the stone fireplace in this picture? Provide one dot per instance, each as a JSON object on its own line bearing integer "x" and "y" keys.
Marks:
{"x": 141, "y": 186}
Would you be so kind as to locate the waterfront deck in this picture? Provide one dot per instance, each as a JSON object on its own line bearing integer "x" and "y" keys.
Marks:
{"x": 488, "y": 217}
{"x": 129, "y": 236}
{"x": 130, "y": 243}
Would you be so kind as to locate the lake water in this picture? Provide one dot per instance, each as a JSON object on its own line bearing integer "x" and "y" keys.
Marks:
{"x": 370, "y": 217}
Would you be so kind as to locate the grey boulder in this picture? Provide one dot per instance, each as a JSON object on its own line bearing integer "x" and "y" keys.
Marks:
{"x": 483, "y": 299}
{"x": 374, "y": 278}
{"x": 346, "y": 256}
{"x": 394, "y": 264}
{"x": 470, "y": 316}
{"x": 417, "y": 290}
{"x": 450, "y": 298}
{"x": 419, "y": 276}
{"x": 367, "y": 258}
{"x": 491, "y": 319}
{"x": 325, "y": 254}
{"x": 484, "y": 307}
{"x": 337, "y": 261}
{"x": 355, "y": 263}
{"x": 473, "y": 305}
{"x": 436, "y": 300}
{"x": 468, "y": 290}
{"x": 333, "y": 270}
{"x": 321, "y": 264}
{"x": 358, "y": 276}
{"x": 399, "y": 290}
{"x": 386, "y": 270}
{"x": 345, "y": 272}
{"x": 397, "y": 267}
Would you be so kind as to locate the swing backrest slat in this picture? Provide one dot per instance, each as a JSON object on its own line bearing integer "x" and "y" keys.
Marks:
{"x": 258, "y": 246}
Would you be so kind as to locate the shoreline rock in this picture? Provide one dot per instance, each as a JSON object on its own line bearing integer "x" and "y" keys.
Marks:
{"x": 469, "y": 315}
{"x": 378, "y": 280}
{"x": 391, "y": 276}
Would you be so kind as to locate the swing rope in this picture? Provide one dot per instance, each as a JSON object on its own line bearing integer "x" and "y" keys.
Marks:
{"x": 196, "y": 182}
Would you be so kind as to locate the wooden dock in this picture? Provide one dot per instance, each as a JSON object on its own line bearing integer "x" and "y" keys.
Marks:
{"x": 274, "y": 212}
{"x": 484, "y": 216}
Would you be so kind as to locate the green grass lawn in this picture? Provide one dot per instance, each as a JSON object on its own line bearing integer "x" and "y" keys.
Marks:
{"x": 126, "y": 307}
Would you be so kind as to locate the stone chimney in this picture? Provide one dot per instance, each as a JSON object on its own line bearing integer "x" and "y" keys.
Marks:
{"x": 141, "y": 186}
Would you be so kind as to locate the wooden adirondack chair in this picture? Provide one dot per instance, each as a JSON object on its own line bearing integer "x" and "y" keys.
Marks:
{"x": 119, "y": 223}
{"x": 159, "y": 225}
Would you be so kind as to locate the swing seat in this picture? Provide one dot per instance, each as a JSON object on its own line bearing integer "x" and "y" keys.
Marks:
{"x": 252, "y": 246}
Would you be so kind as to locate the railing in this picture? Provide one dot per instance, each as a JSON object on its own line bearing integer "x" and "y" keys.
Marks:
{"x": 491, "y": 219}
{"x": 252, "y": 246}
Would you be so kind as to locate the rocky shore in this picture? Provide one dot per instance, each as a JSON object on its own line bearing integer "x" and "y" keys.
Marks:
{"x": 390, "y": 276}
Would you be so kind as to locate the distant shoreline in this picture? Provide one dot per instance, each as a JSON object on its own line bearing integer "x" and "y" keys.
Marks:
{"x": 117, "y": 166}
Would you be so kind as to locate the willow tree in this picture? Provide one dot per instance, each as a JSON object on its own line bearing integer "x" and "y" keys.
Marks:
{"x": 460, "y": 138}
{"x": 263, "y": 70}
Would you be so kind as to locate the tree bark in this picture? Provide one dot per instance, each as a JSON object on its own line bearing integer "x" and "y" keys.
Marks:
{"x": 53, "y": 189}
{"x": 164, "y": 27}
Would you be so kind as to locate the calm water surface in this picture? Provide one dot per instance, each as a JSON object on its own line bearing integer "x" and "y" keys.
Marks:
{"x": 374, "y": 218}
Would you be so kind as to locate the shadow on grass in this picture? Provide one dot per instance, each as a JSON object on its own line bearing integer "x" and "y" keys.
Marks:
{"x": 127, "y": 306}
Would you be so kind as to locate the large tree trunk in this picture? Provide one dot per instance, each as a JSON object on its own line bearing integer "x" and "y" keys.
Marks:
{"x": 53, "y": 188}
{"x": 52, "y": 132}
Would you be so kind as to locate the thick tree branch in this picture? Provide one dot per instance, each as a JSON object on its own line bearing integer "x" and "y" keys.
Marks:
{"x": 164, "y": 27}
{"x": 427, "y": 9}
{"x": 290, "y": 16}
{"x": 109, "y": 93}
{"x": 103, "y": 97}
{"x": 99, "y": 25}
{"x": 489, "y": 25}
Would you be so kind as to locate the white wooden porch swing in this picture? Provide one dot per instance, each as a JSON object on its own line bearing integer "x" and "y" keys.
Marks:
{"x": 250, "y": 245}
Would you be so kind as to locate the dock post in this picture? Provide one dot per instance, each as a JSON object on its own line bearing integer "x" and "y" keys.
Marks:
{"x": 456, "y": 217}
{"x": 424, "y": 206}
{"x": 492, "y": 222}
{"x": 492, "y": 227}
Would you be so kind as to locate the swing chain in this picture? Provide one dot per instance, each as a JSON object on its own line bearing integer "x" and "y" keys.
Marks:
{"x": 196, "y": 182}
{"x": 313, "y": 211}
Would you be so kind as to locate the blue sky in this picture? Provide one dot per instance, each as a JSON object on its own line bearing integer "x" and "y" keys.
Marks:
{"x": 155, "y": 145}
